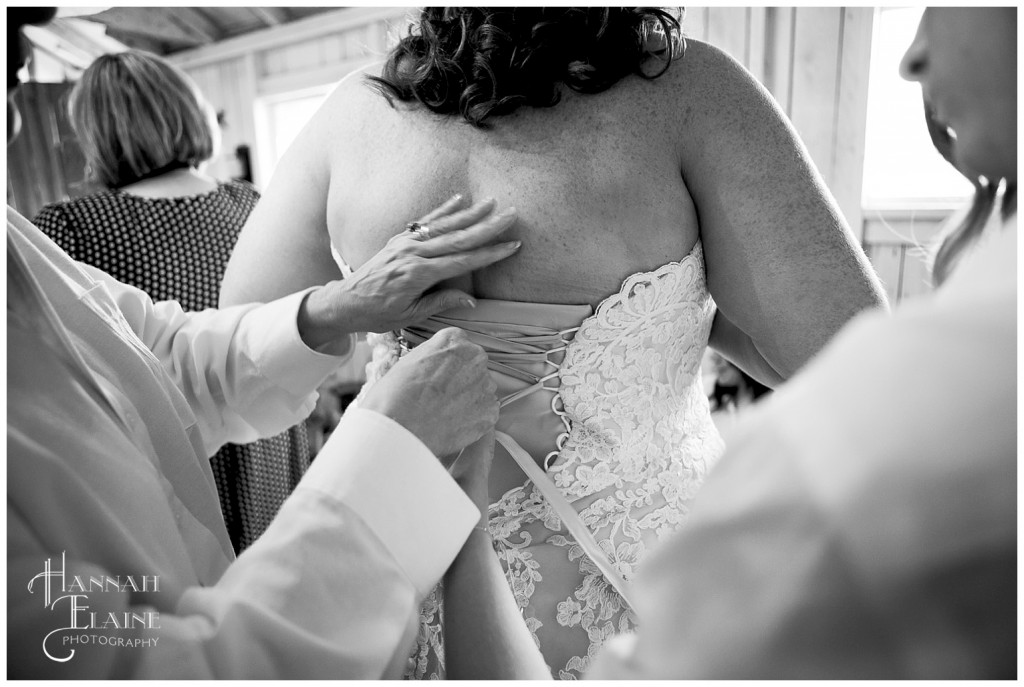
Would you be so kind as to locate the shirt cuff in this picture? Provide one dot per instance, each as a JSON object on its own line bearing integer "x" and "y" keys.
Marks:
{"x": 282, "y": 356}
{"x": 397, "y": 486}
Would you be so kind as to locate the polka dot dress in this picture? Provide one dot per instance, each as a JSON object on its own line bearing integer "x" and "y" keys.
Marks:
{"x": 178, "y": 249}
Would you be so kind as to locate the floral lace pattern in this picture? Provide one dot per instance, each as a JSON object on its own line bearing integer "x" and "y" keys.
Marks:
{"x": 639, "y": 443}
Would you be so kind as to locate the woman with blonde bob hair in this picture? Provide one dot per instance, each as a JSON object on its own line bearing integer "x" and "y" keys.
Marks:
{"x": 167, "y": 228}
{"x": 170, "y": 125}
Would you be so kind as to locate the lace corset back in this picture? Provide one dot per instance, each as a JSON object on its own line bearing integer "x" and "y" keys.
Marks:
{"x": 626, "y": 435}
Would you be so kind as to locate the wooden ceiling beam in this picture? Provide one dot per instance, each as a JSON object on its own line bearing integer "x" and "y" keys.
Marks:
{"x": 87, "y": 36}
{"x": 149, "y": 23}
{"x": 194, "y": 20}
{"x": 271, "y": 16}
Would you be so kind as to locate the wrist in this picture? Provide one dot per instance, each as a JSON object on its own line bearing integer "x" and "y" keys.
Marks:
{"x": 320, "y": 324}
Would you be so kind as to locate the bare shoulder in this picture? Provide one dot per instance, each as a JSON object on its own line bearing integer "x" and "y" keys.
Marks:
{"x": 706, "y": 104}
{"x": 724, "y": 115}
{"x": 353, "y": 98}
{"x": 340, "y": 122}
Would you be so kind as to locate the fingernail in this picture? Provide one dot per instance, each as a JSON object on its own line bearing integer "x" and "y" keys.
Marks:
{"x": 457, "y": 196}
{"x": 515, "y": 245}
{"x": 509, "y": 211}
{"x": 468, "y": 302}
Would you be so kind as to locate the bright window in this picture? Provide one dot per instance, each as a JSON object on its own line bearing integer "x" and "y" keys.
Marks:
{"x": 901, "y": 167}
{"x": 279, "y": 120}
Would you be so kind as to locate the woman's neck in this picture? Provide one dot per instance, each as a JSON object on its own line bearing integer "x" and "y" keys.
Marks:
{"x": 173, "y": 184}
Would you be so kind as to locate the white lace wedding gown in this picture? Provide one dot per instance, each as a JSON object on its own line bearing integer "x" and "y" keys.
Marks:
{"x": 612, "y": 405}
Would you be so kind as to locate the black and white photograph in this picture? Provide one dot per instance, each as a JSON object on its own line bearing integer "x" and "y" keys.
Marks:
{"x": 512, "y": 342}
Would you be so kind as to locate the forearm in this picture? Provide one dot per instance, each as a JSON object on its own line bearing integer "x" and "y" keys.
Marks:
{"x": 318, "y": 323}
{"x": 741, "y": 350}
{"x": 485, "y": 635}
{"x": 245, "y": 371}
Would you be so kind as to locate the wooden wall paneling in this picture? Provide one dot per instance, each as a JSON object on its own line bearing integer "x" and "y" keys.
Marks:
{"x": 28, "y": 182}
{"x": 911, "y": 236}
{"x": 214, "y": 85}
{"x": 354, "y": 41}
{"x": 69, "y": 152}
{"x": 269, "y": 62}
{"x": 367, "y": 41}
{"x": 300, "y": 31}
{"x": 847, "y": 175}
{"x": 36, "y": 172}
{"x": 778, "y": 68}
{"x": 331, "y": 49}
{"x": 12, "y": 193}
{"x": 385, "y": 33}
{"x": 918, "y": 227}
{"x": 887, "y": 259}
{"x": 695, "y": 23}
{"x": 813, "y": 98}
{"x": 227, "y": 85}
{"x": 246, "y": 84}
{"x": 305, "y": 79}
{"x": 728, "y": 29}
{"x": 302, "y": 56}
{"x": 756, "y": 41}
{"x": 917, "y": 277}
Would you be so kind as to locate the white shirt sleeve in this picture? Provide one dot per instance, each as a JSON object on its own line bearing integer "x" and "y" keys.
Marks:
{"x": 330, "y": 591}
{"x": 244, "y": 370}
{"x": 862, "y": 523}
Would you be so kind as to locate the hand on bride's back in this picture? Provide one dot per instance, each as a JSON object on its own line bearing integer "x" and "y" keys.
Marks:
{"x": 393, "y": 288}
{"x": 441, "y": 392}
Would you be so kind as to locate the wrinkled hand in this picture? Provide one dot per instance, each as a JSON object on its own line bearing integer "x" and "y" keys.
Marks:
{"x": 390, "y": 290}
{"x": 441, "y": 392}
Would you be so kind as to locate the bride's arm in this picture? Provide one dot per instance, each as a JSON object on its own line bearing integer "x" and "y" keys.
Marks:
{"x": 484, "y": 632}
{"x": 284, "y": 246}
{"x": 782, "y": 265}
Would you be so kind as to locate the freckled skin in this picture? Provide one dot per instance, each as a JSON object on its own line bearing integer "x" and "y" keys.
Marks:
{"x": 595, "y": 180}
{"x": 605, "y": 185}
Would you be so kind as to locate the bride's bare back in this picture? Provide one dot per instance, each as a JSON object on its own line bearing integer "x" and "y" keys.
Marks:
{"x": 606, "y": 185}
{"x": 595, "y": 181}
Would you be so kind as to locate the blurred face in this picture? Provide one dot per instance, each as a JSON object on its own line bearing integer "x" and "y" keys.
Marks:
{"x": 965, "y": 59}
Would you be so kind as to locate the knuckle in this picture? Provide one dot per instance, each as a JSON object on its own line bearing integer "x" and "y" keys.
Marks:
{"x": 456, "y": 335}
{"x": 452, "y": 336}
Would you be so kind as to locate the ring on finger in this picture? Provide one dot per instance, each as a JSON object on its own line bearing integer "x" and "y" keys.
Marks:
{"x": 421, "y": 230}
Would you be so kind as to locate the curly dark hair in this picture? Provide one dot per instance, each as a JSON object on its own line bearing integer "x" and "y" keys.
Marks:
{"x": 486, "y": 62}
